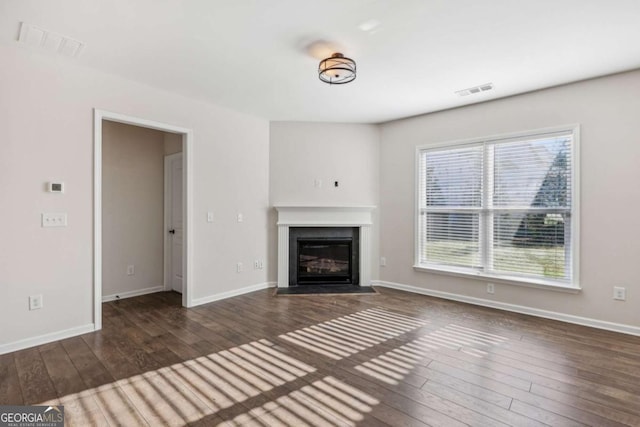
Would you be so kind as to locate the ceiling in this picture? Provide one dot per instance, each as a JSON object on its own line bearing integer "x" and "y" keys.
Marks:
{"x": 254, "y": 56}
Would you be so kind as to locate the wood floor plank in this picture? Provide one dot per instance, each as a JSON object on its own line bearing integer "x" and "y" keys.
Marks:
{"x": 602, "y": 410}
{"x": 10, "y": 393}
{"x": 542, "y": 415}
{"x": 118, "y": 366}
{"x": 554, "y": 406}
{"x": 64, "y": 375}
{"x": 436, "y": 379}
{"x": 567, "y": 382}
{"x": 91, "y": 370}
{"x": 35, "y": 382}
{"x": 481, "y": 406}
{"x": 179, "y": 348}
{"x": 393, "y": 358}
{"x": 418, "y": 403}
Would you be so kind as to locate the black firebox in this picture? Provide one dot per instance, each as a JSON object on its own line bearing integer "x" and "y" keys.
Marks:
{"x": 324, "y": 256}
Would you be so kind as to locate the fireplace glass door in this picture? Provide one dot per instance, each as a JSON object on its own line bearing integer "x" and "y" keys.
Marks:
{"x": 325, "y": 261}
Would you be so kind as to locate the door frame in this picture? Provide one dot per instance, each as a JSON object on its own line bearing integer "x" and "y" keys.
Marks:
{"x": 187, "y": 203}
{"x": 168, "y": 194}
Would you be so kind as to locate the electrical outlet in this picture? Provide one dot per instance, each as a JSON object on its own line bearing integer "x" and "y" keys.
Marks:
{"x": 256, "y": 264}
{"x": 209, "y": 216}
{"x": 240, "y": 217}
{"x": 619, "y": 293}
{"x": 239, "y": 267}
{"x": 261, "y": 264}
{"x": 383, "y": 261}
{"x": 35, "y": 302}
{"x": 491, "y": 289}
{"x": 131, "y": 270}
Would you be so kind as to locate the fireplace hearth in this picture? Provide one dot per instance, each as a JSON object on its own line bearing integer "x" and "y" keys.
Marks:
{"x": 324, "y": 256}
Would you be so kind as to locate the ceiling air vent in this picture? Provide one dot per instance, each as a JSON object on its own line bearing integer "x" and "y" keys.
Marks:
{"x": 49, "y": 41}
{"x": 474, "y": 90}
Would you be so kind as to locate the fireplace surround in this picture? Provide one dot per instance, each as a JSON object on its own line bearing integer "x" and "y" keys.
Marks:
{"x": 351, "y": 228}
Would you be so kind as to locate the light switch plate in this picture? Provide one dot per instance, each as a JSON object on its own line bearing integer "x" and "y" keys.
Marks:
{"x": 35, "y": 302}
{"x": 54, "y": 219}
{"x": 619, "y": 293}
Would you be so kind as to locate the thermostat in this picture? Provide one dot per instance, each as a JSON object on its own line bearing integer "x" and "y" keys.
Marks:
{"x": 56, "y": 187}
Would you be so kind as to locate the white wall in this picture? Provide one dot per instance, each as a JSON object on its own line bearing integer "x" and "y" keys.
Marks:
{"x": 132, "y": 208}
{"x": 301, "y": 153}
{"x": 46, "y": 133}
{"x": 608, "y": 110}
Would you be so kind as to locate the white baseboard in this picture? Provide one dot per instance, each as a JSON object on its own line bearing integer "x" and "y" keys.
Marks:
{"x": 129, "y": 294}
{"x": 46, "y": 338}
{"x": 584, "y": 321}
{"x": 233, "y": 293}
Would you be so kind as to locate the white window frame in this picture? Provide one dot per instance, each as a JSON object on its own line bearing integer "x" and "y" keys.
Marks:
{"x": 574, "y": 285}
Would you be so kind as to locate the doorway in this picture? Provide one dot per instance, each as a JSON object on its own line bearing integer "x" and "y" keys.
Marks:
{"x": 178, "y": 236}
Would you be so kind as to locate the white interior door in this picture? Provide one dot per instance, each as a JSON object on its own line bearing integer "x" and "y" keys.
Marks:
{"x": 174, "y": 222}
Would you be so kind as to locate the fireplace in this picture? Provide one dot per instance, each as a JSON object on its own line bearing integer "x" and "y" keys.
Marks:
{"x": 348, "y": 246}
{"x": 324, "y": 256}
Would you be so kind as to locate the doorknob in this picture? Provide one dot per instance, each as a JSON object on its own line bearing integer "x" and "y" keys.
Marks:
{"x": 172, "y": 231}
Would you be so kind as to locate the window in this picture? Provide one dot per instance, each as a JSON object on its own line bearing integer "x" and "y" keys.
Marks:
{"x": 503, "y": 208}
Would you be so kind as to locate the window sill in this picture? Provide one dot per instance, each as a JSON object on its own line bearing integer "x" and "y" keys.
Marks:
{"x": 508, "y": 280}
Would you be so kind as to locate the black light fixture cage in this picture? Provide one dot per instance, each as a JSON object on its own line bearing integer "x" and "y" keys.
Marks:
{"x": 337, "y": 70}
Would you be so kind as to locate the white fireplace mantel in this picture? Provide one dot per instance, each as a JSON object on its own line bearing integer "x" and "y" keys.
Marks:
{"x": 324, "y": 216}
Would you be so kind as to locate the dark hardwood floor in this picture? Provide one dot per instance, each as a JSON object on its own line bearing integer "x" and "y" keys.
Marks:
{"x": 394, "y": 359}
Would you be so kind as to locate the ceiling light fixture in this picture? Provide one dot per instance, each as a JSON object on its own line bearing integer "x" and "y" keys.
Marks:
{"x": 337, "y": 70}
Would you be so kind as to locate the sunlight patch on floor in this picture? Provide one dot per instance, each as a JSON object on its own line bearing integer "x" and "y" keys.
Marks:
{"x": 325, "y": 402}
{"x": 187, "y": 391}
{"x": 393, "y": 366}
{"x": 348, "y": 335}
{"x": 258, "y": 383}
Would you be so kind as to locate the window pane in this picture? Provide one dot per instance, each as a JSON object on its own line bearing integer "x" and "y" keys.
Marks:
{"x": 499, "y": 206}
{"x": 531, "y": 244}
{"x": 451, "y": 239}
{"x": 453, "y": 177}
{"x": 533, "y": 173}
